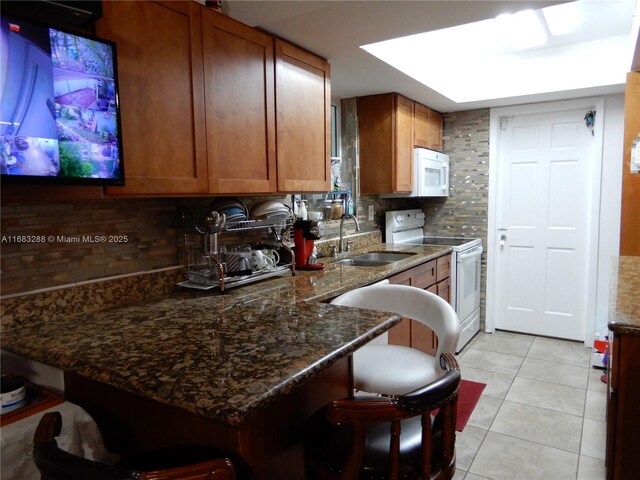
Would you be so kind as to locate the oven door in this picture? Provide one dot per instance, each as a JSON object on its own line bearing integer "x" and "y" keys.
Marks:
{"x": 468, "y": 282}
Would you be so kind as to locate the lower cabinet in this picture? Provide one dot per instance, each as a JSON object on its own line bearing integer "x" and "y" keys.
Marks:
{"x": 623, "y": 396}
{"x": 434, "y": 277}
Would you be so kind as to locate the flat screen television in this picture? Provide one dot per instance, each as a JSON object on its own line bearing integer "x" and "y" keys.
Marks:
{"x": 59, "y": 111}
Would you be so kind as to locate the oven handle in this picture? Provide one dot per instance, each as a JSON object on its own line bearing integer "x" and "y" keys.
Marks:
{"x": 475, "y": 252}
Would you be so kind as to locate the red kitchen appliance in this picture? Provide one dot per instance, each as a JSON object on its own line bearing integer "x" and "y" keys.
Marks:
{"x": 305, "y": 232}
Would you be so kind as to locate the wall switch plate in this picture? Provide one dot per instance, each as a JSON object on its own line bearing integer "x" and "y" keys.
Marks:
{"x": 371, "y": 213}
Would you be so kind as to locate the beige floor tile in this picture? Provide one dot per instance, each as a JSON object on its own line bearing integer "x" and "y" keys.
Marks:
{"x": 484, "y": 412}
{"x": 473, "y": 476}
{"x": 503, "y": 342}
{"x": 590, "y": 469}
{"x": 595, "y": 383}
{"x": 594, "y": 433}
{"x": 459, "y": 475}
{"x": 561, "y": 373}
{"x": 545, "y": 412}
{"x": 491, "y": 361}
{"x": 596, "y": 406}
{"x": 467, "y": 444}
{"x": 560, "y": 351}
{"x": 502, "y": 457}
{"x": 547, "y": 395}
{"x": 498, "y": 384}
{"x": 539, "y": 425}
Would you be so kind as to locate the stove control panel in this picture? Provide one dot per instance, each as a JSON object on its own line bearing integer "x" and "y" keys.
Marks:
{"x": 401, "y": 220}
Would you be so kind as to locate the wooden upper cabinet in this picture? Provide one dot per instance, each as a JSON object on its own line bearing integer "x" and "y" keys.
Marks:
{"x": 427, "y": 128}
{"x": 161, "y": 95}
{"x": 238, "y": 84}
{"x": 385, "y": 126}
{"x": 630, "y": 220}
{"x": 303, "y": 101}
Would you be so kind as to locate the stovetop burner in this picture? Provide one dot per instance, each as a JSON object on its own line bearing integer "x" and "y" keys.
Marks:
{"x": 446, "y": 241}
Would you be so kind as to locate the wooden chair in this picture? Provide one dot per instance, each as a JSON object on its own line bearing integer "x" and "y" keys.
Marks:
{"x": 56, "y": 464}
{"x": 396, "y": 437}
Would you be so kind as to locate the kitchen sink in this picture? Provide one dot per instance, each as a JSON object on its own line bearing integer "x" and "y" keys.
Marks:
{"x": 373, "y": 259}
{"x": 387, "y": 257}
{"x": 361, "y": 263}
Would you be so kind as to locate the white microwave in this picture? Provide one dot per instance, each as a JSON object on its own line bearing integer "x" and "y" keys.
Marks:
{"x": 430, "y": 175}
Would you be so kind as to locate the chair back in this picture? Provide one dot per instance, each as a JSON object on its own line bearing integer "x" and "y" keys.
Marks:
{"x": 56, "y": 464}
{"x": 404, "y": 436}
{"x": 410, "y": 302}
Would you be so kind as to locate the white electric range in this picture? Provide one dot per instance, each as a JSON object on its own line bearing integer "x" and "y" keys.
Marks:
{"x": 407, "y": 227}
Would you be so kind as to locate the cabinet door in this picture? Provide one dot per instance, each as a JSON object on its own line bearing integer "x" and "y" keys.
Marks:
{"x": 443, "y": 268}
{"x": 401, "y": 333}
{"x": 303, "y": 101}
{"x": 375, "y": 143}
{"x": 444, "y": 289}
{"x": 385, "y": 132}
{"x": 238, "y": 83}
{"x": 425, "y": 274}
{"x": 403, "y": 155}
{"x": 427, "y": 128}
{"x": 435, "y": 128}
{"x": 159, "y": 47}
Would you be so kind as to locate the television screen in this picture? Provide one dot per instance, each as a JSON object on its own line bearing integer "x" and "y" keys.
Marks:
{"x": 59, "y": 113}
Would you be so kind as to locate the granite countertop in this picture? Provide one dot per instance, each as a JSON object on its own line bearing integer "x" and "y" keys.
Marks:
{"x": 624, "y": 301}
{"x": 220, "y": 355}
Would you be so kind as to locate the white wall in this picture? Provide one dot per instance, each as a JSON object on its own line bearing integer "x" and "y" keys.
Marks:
{"x": 611, "y": 191}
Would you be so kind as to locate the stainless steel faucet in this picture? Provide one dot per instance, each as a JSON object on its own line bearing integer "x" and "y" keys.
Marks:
{"x": 346, "y": 216}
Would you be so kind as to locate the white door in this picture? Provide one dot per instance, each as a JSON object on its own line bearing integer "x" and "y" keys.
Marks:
{"x": 544, "y": 202}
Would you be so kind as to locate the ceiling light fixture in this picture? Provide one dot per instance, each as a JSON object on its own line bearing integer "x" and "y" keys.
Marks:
{"x": 562, "y": 19}
{"x": 516, "y": 55}
{"x": 522, "y": 30}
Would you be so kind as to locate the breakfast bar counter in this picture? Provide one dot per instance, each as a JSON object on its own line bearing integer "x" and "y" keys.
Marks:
{"x": 240, "y": 370}
{"x": 223, "y": 362}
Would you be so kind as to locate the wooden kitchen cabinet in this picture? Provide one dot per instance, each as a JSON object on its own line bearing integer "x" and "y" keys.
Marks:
{"x": 630, "y": 220}
{"x": 623, "y": 389}
{"x": 623, "y": 422}
{"x": 240, "y": 106}
{"x": 385, "y": 131}
{"x": 303, "y": 102}
{"x": 159, "y": 46}
{"x": 426, "y": 276}
{"x": 427, "y": 128}
{"x": 212, "y": 106}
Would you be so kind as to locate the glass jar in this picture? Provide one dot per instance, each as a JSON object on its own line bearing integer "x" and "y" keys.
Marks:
{"x": 336, "y": 209}
{"x": 327, "y": 210}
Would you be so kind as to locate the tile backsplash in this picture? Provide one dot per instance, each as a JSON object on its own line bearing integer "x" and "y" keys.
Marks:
{"x": 51, "y": 245}
{"x": 48, "y": 245}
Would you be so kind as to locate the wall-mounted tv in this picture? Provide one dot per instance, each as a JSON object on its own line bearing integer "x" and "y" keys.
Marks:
{"x": 59, "y": 111}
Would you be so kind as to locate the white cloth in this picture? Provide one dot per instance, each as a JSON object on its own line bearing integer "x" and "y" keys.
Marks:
{"x": 80, "y": 436}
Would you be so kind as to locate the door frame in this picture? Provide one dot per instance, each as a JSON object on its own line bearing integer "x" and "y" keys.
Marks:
{"x": 495, "y": 115}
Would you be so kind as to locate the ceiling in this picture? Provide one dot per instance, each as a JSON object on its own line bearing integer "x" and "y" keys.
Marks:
{"x": 337, "y": 29}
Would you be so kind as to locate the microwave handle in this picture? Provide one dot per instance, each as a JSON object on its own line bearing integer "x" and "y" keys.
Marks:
{"x": 445, "y": 185}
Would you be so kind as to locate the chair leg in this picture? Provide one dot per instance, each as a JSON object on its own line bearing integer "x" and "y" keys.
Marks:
{"x": 426, "y": 445}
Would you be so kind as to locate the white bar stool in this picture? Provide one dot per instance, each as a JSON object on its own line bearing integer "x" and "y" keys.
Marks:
{"x": 396, "y": 369}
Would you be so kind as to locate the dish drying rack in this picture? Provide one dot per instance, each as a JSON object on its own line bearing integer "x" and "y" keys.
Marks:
{"x": 214, "y": 225}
